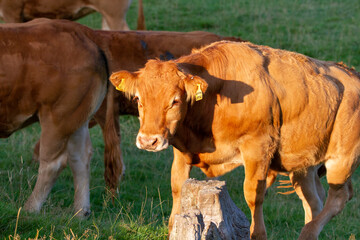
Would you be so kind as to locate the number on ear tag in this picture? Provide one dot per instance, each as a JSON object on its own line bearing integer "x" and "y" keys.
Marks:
{"x": 121, "y": 86}
{"x": 199, "y": 93}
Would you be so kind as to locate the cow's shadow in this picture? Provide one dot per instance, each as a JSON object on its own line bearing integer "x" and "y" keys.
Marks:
{"x": 234, "y": 90}
{"x": 201, "y": 124}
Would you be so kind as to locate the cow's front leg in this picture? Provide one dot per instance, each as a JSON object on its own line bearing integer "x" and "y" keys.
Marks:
{"x": 180, "y": 171}
{"x": 254, "y": 192}
{"x": 257, "y": 155}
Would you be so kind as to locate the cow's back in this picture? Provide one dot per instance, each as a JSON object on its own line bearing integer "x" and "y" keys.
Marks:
{"x": 131, "y": 49}
{"x": 311, "y": 95}
{"x": 299, "y": 97}
{"x": 47, "y": 64}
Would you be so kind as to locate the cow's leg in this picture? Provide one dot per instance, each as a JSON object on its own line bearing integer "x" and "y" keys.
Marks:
{"x": 340, "y": 191}
{"x": 79, "y": 152}
{"x": 53, "y": 158}
{"x": 254, "y": 192}
{"x": 180, "y": 172}
{"x": 36, "y": 153}
{"x": 307, "y": 186}
{"x": 12, "y": 11}
{"x": 114, "y": 14}
{"x": 257, "y": 156}
{"x": 321, "y": 171}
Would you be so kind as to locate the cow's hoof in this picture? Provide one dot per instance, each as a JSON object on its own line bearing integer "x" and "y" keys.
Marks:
{"x": 83, "y": 213}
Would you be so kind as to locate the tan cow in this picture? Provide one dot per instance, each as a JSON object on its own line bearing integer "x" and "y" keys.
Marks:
{"x": 130, "y": 51}
{"x": 112, "y": 11}
{"x": 56, "y": 72}
{"x": 232, "y": 104}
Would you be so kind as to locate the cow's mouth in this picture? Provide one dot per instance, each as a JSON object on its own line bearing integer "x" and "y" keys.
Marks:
{"x": 152, "y": 143}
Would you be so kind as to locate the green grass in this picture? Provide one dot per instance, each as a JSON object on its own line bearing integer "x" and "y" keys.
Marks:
{"x": 324, "y": 29}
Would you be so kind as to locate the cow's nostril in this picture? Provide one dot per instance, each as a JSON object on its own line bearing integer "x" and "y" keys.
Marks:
{"x": 154, "y": 142}
{"x": 148, "y": 141}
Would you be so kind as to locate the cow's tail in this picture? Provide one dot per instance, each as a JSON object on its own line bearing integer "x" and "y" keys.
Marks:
{"x": 114, "y": 166}
{"x": 141, "y": 17}
{"x": 108, "y": 117}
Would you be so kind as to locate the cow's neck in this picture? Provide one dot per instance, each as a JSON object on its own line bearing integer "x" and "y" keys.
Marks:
{"x": 194, "y": 134}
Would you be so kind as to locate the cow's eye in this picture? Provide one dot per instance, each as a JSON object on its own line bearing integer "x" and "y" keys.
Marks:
{"x": 175, "y": 103}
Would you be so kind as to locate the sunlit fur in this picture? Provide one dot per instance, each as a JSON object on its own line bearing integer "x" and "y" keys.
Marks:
{"x": 265, "y": 109}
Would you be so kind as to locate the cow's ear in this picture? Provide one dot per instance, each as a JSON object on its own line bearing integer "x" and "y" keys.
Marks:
{"x": 195, "y": 87}
{"x": 124, "y": 81}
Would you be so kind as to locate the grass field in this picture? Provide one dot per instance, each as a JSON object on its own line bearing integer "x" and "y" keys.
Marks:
{"x": 323, "y": 29}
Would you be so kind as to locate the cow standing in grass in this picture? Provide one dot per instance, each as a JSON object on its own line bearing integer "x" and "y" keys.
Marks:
{"x": 56, "y": 72}
{"x": 112, "y": 11}
{"x": 129, "y": 51}
{"x": 232, "y": 104}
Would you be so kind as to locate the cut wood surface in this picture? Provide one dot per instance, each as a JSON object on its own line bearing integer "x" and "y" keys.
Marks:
{"x": 208, "y": 212}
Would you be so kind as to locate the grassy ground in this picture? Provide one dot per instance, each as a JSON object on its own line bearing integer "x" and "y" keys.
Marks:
{"x": 324, "y": 29}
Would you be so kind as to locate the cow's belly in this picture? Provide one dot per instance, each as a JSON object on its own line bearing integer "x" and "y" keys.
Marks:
{"x": 302, "y": 144}
{"x": 71, "y": 10}
{"x": 17, "y": 107}
{"x": 12, "y": 120}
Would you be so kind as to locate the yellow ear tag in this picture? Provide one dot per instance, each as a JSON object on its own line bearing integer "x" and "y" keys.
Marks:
{"x": 198, "y": 94}
{"x": 121, "y": 86}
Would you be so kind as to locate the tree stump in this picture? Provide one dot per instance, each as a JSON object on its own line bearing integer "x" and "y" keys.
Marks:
{"x": 208, "y": 212}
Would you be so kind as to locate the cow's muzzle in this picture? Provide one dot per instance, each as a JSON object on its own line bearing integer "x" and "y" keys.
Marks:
{"x": 153, "y": 143}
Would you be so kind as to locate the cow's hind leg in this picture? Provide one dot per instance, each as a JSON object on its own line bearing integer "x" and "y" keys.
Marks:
{"x": 309, "y": 189}
{"x": 53, "y": 158}
{"x": 79, "y": 155}
{"x": 36, "y": 153}
{"x": 340, "y": 191}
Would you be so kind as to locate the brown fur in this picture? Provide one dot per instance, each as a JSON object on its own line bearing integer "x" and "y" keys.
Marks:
{"x": 113, "y": 11}
{"x": 130, "y": 51}
{"x": 51, "y": 72}
{"x": 263, "y": 108}
{"x": 73, "y": 51}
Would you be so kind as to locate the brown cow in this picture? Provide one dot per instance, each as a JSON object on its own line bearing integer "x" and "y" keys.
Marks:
{"x": 232, "y": 104}
{"x": 130, "y": 51}
{"x": 55, "y": 74}
{"x": 67, "y": 71}
{"x": 113, "y": 11}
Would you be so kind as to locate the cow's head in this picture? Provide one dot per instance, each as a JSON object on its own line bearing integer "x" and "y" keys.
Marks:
{"x": 163, "y": 92}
